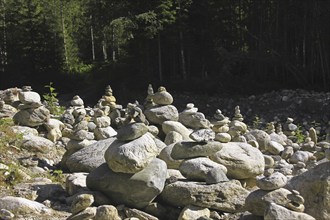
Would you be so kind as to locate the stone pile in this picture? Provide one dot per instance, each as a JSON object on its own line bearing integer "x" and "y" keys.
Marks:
{"x": 159, "y": 163}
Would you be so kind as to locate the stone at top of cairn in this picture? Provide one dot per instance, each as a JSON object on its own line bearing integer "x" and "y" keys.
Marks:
{"x": 108, "y": 97}
{"x": 149, "y": 103}
{"x": 238, "y": 116}
{"x": 162, "y": 97}
{"x": 221, "y": 119}
{"x": 190, "y": 108}
{"x": 270, "y": 128}
{"x": 26, "y": 88}
{"x": 289, "y": 127}
{"x": 77, "y": 101}
{"x": 133, "y": 113}
{"x": 150, "y": 90}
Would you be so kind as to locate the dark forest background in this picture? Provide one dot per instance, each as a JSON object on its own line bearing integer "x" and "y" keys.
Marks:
{"x": 206, "y": 46}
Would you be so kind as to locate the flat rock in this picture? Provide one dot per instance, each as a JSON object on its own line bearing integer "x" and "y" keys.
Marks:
{"x": 22, "y": 206}
{"x": 242, "y": 160}
{"x": 131, "y": 131}
{"x": 159, "y": 114}
{"x": 148, "y": 183}
{"x": 104, "y": 133}
{"x": 29, "y": 97}
{"x": 191, "y": 149}
{"x": 37, "y": 144}
{"x": 131, "y": 157}
{"x": 196, "y": 120}
{"x": 90, "y": 157}
{"x": 226, "y": 196}
{"x": 196, "y": 169}
{"x": 32, "y": 117}
{"x": 274, "y": 181}
{"x": 275, "y": 211}
{"x": 202, "y": 135}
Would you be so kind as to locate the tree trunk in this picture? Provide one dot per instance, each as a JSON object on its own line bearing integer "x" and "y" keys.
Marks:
{"x": 160, "y": 73}
{"x": 64, "y": 36}
{"x": 92, "y": 39}
{"x": 3, "y": 48}
{"x": 182, "y": 57}
{"x": 104, "y": 48}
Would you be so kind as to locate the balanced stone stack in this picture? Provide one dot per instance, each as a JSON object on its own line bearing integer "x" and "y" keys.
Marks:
{"x": 131, "y": 161}
{"x": 103, "y": 129}
{"x": 162, "y": 109}
{"x": 221, "y": 127}
{"x": 6, "y": 111}
{"x": 237, "y": 128}
{"x": 31, "y": 112}
{"x": 191, "y": 118}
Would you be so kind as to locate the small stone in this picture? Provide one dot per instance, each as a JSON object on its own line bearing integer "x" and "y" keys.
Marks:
{"x": 81, "y": 202}
{"x": 77, "y": 101}
{"x": 222, "y": 137}
{"x": 202, "y": 135}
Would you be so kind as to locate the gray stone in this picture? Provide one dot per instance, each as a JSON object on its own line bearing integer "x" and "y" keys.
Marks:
{"x": 196, "y": 120}
{"x": 131, "y": 131}
{"x": 196, "y": 169}
{"x": 29, "y": 97}
{"x": 138, "y": 214}
{"x": 216, "y": 175}
{"x": 77, "y": 101}
{"x": 242, "y": 160}
{"x": 37, "y": 144}
{"x": 169, "y": 126}
{"x": 202, "y": 135}
{"x": 190, "y": 149}
{"x": 81, "y": 202}
{"x": 107, "y": 212}
{"x": 314, "y": 187}
{"x": 274, "y": 148}
{"x": 258, "y": 200}
{"x": 22, "y": 206}
{"x": 162, "y": 97}
{"x": 75, "y": 182}
{"x": 172, "y": 138}
{"x": 226, "y": 196}
{"x": 275, "y": 211}
{"x": 274, "y": 181}
{"x": 165, "y": 155}
{"x": 300, "y": 156}
{"x": 269, "y": 161}
{"x": 86, "y": 214}
{"x": 82, "y": 134}
{"x": 104, "y": 133}
{"x": 222, "y": 137}
{"x": 90, "y": 157}
{"x": 131, "y": 157}
{"x": 287, "y": 152}
{"x": 24, "y": 130}
{"x": 32, "y": 117}
{"x": 261, "y": 137}
{"x": 159, "y": 114}
{"x": 194, "y": 213}
{"x": 102, "y": 122}
{"x": 77, "y": 145}
{"x": 147, "y": 183}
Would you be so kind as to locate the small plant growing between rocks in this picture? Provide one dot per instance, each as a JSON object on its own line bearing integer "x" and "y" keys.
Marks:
{"x": 51, "y": 101}
{"x": 256, "y": 123}
{"x": 299, "y": 134}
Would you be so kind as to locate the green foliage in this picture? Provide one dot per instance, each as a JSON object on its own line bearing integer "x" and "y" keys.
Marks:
{"x": 52, "y": 101}
{"x": 256, "y": 123}
{"x": 299, "y": 134}
{"x": 7, "y": 135}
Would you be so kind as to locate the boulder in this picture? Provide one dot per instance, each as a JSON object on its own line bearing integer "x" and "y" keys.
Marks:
{"x": 225, "y": 196}
{"x": 195, "y": 120}
{"x": 242, "y": 160}
{"x": 131, "y": 157}
{"x": 258, "y": 200}
{"x": 32, "y": 117}
{"x": 37, "y": 144}
{"x": 274, "y": 181}
{"x": 275, "y": 211}
{"x": 29, "y": 97}
{"x": 314, "y": 186}
{"x": 261, "y": 137}
{"x": 159, "y": 114}
{"x": 191, "y": 149}
{"x": 148, "y": 183}
{"x": 22, "y": 206}
{"x": 196, "y": 169}
{"x": 162, "y": 97}
{"x": 131, "y": 131}
{"x": 90, "y": 157}
{"x": 300, "y": 156}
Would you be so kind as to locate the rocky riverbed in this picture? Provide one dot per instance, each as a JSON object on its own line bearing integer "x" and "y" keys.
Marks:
{"x": 165, "y": 156}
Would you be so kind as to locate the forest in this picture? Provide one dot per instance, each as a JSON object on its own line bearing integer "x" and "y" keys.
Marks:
{"x": 203, "y": 46}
